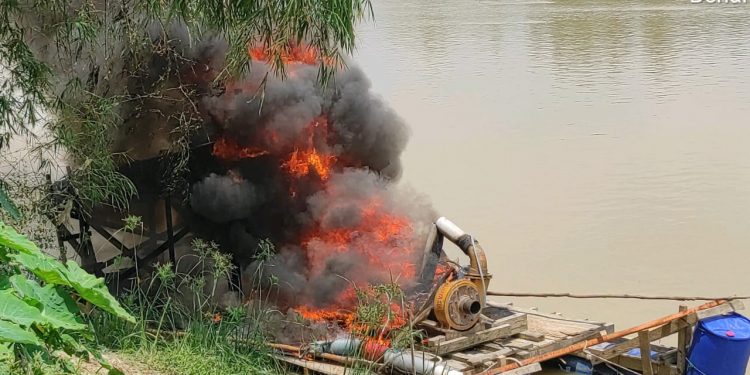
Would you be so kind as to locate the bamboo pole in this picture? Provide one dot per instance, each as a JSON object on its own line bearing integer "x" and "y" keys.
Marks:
{"x": 620, "y": 296}
{"x": 613, "y": 336}
{"x": 348, "y": 361}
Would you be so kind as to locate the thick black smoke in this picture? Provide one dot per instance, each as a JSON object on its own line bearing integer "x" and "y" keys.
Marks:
{"x": 174, "y": 98}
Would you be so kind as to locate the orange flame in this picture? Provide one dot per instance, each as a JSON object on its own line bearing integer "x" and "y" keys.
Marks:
{"x": 307, "y": 158}
{"x": 299, "y": 53}
{"x": 301, "y": 162}
{"x": 227, "y": 149}
{"x": 383, "y": 238}
{"x": 333, "y": 315}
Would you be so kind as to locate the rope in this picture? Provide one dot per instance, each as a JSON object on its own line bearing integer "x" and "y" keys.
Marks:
{"x": 610, "y": 363}
{"x": 619, "y": 296}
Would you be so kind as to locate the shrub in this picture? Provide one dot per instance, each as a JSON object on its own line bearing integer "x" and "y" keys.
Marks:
{"x": 40, "y": 315}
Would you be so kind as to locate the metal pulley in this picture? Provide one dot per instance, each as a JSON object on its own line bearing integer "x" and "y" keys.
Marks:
{"x": 458, "y": 304}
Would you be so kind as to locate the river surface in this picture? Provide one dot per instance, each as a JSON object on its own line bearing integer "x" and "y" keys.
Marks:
{"x": 592, "y": 146}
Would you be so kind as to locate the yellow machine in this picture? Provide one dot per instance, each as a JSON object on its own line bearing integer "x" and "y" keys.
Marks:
{"x": 458, "y": 303}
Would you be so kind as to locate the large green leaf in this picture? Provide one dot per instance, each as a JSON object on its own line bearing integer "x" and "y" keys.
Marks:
{"x": 7, "y": 205}
{"x": 15, "y": 310}
{"x": 44, "y": 267}
{"x": 95, "y": 291}
{"x": 15, "y": 241}
{"x": 10, "y": 332}
{"x": 50, "y": 271}
{"x": 57, "y": 308}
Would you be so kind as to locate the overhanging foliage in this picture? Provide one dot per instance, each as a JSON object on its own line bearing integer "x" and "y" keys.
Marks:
{"x": 61, "y": 64}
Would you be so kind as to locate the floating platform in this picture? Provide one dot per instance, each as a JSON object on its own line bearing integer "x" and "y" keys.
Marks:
{"x": 510, "y": 334}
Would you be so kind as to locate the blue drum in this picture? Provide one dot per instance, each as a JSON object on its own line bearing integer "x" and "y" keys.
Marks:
{"x": 721, "y": 346}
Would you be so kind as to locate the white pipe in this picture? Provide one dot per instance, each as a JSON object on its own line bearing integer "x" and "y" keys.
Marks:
{"x": 418, "y": 362}
{"x": 449, "y": 229}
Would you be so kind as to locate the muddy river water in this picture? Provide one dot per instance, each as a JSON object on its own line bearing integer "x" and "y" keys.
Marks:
{"x": 592, "y": 146}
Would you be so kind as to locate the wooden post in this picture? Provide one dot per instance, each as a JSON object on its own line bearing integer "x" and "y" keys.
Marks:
{"x": 170, "y": 231}
{"x": 645, "y": 352}
{"x": 683, "y": 340}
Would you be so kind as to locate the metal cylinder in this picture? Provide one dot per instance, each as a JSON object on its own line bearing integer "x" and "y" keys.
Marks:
{"x": 418, "y": 362}
{"x": 449, "y": 229}
{"x": 469, "y": 305}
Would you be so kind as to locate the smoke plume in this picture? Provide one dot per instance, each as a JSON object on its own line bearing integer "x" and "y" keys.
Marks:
{"x": 311, "y": 168}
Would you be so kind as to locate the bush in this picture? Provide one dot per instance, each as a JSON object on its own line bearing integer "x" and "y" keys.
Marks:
{"x": 40, "y": 315}
{"x": 181, "y": 329}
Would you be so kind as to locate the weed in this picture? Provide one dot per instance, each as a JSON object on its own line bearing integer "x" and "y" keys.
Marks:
{"x": 180, "y": 329}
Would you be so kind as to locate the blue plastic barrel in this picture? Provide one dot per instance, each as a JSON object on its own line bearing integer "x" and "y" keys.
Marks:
{"x": 721, "y": 346}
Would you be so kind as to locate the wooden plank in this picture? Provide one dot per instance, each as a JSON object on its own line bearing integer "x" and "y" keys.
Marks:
{"x": 449, "y": 346}
{"x": 532, "y": 336}
{"x": 479, "y": 359}
{"x": 314, "y": 366}
{"x": 458, "y": 365}
{"x": 552, "y": 345}
{"x": 645, "y": 344}
{"x": 682, "y": 335}
{"x": 516, "y": 320}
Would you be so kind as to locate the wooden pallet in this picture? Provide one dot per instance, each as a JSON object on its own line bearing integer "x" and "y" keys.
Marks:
{"x": 443, "y": 341}
{"x": 542, "y": 333}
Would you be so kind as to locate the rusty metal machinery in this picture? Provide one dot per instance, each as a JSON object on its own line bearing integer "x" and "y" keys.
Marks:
{"x": 458, "y": 304}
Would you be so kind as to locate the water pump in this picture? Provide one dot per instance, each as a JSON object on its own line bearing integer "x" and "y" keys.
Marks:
{"x": 458, "y": 303}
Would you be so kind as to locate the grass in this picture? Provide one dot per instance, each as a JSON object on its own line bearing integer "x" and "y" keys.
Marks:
{"x": 181, "y": 330}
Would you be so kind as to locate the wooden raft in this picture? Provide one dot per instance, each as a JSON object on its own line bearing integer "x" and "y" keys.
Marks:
{"x": 509, "y": 334}
{"x": 506, "y": 333}
{"x": 541, "y": 333}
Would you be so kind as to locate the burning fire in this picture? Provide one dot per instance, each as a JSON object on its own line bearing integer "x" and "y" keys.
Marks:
{"x": 229, "y": 150}
{"x": 381, "y": 238}
{"x": 301, "y": 162}
{"x": 293, "y": 53}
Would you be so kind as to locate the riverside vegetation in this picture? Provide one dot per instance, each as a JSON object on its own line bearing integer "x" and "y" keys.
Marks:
{"x": 55, "y": 317}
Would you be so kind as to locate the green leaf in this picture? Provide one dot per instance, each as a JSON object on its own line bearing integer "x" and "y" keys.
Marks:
{"x": 4, "y": 281}
{"x": 44, "y": 267}
{"x": 57, "y": 308}
{"x": 7, "y": 205}
{"x": 73, "y": 346}
{"x": 95, "y": 291}
{"x": 10, "y": 332}
{"x": 51, "y": 271}
{"x": 16, "y": 310}
{"x": 15, "y": 241}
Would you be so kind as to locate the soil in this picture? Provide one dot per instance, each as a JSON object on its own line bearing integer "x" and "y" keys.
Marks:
{"x": 123, "y": 363}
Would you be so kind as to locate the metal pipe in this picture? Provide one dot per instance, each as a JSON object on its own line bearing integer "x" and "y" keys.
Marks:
{"x": 467, "y": 244}
{"x": 418, "y": 362}
{"x": 449, "y": 229}
{"x": 478, "y": 272}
